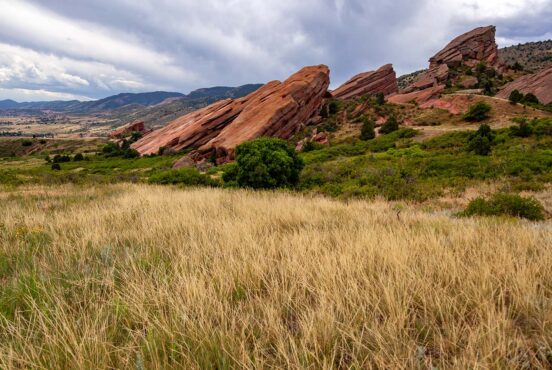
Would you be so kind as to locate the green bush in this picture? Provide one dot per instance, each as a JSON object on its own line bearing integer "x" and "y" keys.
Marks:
{"x": 78, "y": 157}
{"x": 516, "y": 97}
{"x": 481, "y": 141}
{"x": 311, "y": 146}
{"x": 380, "y": 99}
{"x": 26, "y": 143}
{"x": 61, "y": 158}
{"x": 523, "y": 129}
{"x": 333, "y": 108}
{"x": 184, "y": 176}
{"x": 502, "y": 204}
{"x": 266, "y": 163}
{"x": 56, "y": 166}
{"x": 478, "y": 112}
{"x": 367, "y": 132}
{"x": 391, "y": 125}
{"x": 531, "y": 99}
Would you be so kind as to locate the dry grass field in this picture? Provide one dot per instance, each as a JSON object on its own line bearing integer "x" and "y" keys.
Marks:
{"x": 135, "y": 276}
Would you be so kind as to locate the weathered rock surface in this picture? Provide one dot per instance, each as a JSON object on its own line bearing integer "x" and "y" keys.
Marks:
{"x": 476, "y": 46}
{"x": 136, "y": 126}
{"x": 277, "y": 109}
{"x": 384, "y": 80}
{"x": 469, "y": 49}
{"x": 420, "y": 96}
{"x": 539, "y": 84}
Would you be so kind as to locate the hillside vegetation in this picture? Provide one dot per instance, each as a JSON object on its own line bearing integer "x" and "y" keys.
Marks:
{"x": 133, "y": 276}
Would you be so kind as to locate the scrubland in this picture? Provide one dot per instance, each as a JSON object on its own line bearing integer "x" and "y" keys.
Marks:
{"x": 141, "y": 276}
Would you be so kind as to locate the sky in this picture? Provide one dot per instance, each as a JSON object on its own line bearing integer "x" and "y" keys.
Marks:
{"x": 82, "y": 49}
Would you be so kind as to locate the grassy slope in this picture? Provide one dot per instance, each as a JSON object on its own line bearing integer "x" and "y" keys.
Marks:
{"x": 128, "y": 276}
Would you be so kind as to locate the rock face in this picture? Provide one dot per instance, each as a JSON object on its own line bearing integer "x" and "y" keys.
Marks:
{"x": 420, "y": 96}
{"x": 278, "y": 109}
{"x": 136, "y": 126}
{"x": 476, "y": 46}
{"x": 469, "y": 49}
{"x": 539, "y": 84}
{"x": 384, "y": 80}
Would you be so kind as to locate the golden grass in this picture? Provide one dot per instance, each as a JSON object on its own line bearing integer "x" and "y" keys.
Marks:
{"x": 134, "y": 276}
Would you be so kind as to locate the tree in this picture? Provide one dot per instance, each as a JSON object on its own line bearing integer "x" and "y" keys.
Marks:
{"x": 78, "y": 157}
{"x": 265, "y": 163}
{"x": 380, "y": 99}
{"x": 531, "y": 98}
{"x": 523, "y": 130}
{"x": 367, "y": 132}
{"x": 391, "y": 125}
{"x": 480, "y": 142}
{"x": 333, "y": 108}
{"x": 56, "y": 167}
{"x": 516, "y": 97}
{"x": 478, "y": 112}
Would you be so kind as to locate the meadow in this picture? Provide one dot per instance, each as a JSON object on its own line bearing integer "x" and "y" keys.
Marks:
{"x": 142, "y": 276}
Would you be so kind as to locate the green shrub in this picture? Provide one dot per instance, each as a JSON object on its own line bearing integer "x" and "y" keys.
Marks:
{"x": 78, "y": 157}
{"x": 26, "y": 143}
{"x": 478, "y": 112}
{"x": 523, "y": 129}
{"x": 367, "y": 132}
{"x": 542, "y": 127}
{"x": 531, "y": 99}
{"x": 267, "y": 163}
{"x": 333, "y": 108}
{"x": 481, "y": 141}
{"x": 184, "y": 176}
{"x": 311, "y": 146}
{"x": 380, "y": 99}
{"x": 503, "y": 204}
{"x": 516, "y": 97}
{"x": 56, "y": 166}
{"x": 391, "y": 125}
{"x": 61, "y": 158}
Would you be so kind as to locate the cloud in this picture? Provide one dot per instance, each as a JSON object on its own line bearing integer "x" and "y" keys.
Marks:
{"x": 102, "y": 47}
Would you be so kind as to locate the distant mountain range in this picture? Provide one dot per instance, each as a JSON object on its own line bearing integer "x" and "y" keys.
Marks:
{"x": 129, "y": 101}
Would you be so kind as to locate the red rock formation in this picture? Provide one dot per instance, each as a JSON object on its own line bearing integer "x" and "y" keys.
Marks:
{"x": 384, "y": 80}
{"x": 476, "y": 46}
{"x": 136, "y": 126}
{"x": 539, "y": 84}
{"x": 420, "y": 97}
{"x": 277, "y": 109}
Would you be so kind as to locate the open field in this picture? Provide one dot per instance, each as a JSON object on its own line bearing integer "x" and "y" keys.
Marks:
{"x": 136, "y": 276}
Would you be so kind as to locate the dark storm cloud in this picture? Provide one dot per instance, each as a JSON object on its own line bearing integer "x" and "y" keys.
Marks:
{"x": 59, "y": 48}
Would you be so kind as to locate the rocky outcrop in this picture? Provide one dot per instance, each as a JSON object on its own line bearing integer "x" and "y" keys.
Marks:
{"x": 278, "y": 109}
{"x": 431, "y": 78}
{"x": 419, "y": 97}
{"x": 136, "y": 126}
{"x": 476, "y": 46}
{"x": 469, "y": 49}
{"x": 539, "y": 84}
{"x": 384, "y": 80}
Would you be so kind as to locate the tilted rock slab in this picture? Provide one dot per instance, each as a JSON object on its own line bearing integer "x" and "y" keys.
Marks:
{"x": 384, "y": 80}
{"x": 475, "y": 46}
{"x": 278, "y": 109}
{"x": 539, "y": 84}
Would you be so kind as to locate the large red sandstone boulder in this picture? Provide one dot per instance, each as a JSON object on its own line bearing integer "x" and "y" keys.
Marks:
{"x": 278, "y": 109}
{"x": 384, "y": 80}
{"x": 539, "y": 84}
{"x": 136, "y": 126}
{"x": 476, "y": 46}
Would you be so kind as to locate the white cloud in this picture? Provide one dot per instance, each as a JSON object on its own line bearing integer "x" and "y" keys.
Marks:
{"x": 103, "y": 47}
